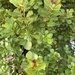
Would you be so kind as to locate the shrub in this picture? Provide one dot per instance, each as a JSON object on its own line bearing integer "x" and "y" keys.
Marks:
{"x": 35, "y": 37}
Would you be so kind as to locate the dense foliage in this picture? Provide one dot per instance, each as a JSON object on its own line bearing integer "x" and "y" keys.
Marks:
{"x": 35, "y": 37}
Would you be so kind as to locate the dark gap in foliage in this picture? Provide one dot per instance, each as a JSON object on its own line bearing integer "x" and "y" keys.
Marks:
{"x": 24, "y": 50}
{"x": 7, "y": 5}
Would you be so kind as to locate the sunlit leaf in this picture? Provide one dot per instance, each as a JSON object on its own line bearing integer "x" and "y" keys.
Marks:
{"x": 41, "y": 66}
{"x": 30, "y": 55}
{"x": 28, "y": 45}
{"x": 16, "y": 2}
{"x": 30, "y": 13}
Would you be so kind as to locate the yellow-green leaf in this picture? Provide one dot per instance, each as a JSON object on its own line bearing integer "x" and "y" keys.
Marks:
{"x": 16, "y": 2}
{"x": 28, "y": 45}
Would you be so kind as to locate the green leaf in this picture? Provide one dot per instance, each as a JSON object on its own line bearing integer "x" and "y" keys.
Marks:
{"x": 32, "y": 2}
{"x": 30, "y": 71}
{"x": 60, "y": 37}
{"x": 67, "y": 72}
{"x": 9, "y": 23}
{"x": 68, "y": 21}
{"x": 57, "y": 7}
{"x": 28, "y": 45}
{"x": 73, "y": 70}
{"x": 16, "y": 3}
{"x": 41, "y": 66}
{"x": 52, "y": 50}
{"x": 36, "y": 6}
{"x": 47, "y": 3}
{"x": 49, "y": 41}
{"x": 43, "y": 12}
{"x": 30, "y": 55}
{"x": 1, "y": 71}
{"x": 7, "y": 26}
{"x": 62, "y": 74}
{"x": 39, "y": 73}
{"x": 30, "y": 13}
{"x": 24, "y": 64}
{"x": 50, "y": 24}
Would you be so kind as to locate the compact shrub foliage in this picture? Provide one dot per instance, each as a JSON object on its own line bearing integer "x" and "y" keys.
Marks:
{"x": 35, "y": 37}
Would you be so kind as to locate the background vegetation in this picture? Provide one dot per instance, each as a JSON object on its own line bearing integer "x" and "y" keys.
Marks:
{"x": 35, "y": 37}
